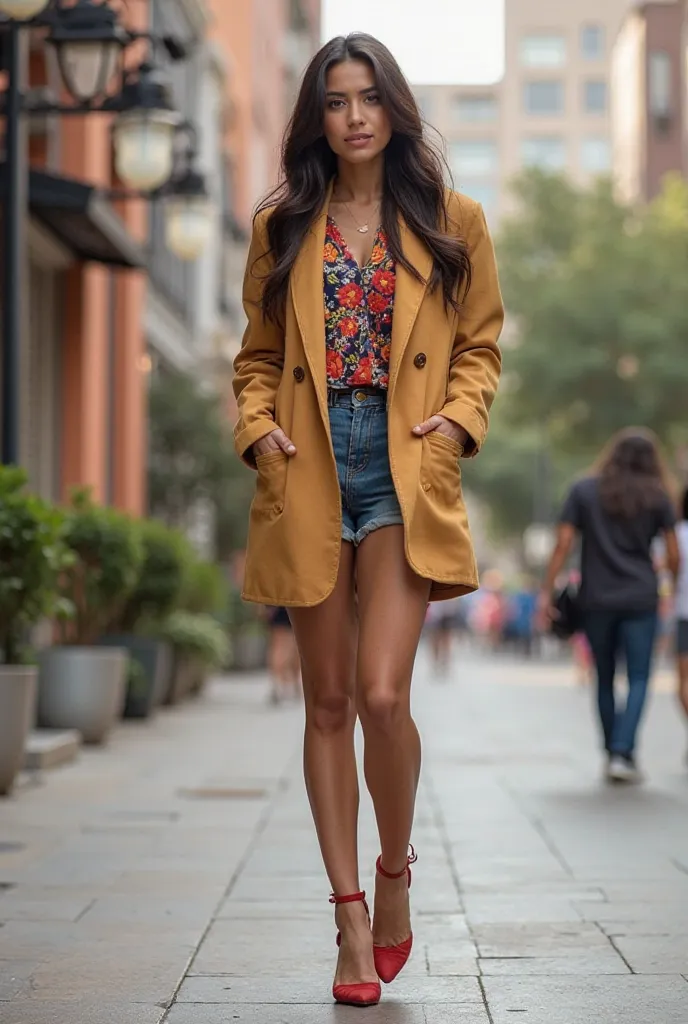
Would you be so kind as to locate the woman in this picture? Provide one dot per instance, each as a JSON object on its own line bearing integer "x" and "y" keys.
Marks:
{"x": 367, "y": 370}
{"x": 681, "y": 606}
{"x": 283, "y": 657}
{"x": 618, "y": 511}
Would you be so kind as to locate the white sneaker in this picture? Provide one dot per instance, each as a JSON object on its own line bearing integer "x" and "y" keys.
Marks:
{"x": 623, "y": 769}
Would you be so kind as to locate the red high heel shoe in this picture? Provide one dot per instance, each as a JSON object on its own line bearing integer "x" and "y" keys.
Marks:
{"x": 390, "y": 960}
{"x": 366, "y": 993}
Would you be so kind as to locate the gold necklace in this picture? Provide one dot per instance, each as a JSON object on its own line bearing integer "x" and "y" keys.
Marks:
{"x": 362, "y": 229}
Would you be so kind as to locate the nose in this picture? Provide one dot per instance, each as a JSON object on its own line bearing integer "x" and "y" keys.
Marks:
{"x": 356, "y": 113}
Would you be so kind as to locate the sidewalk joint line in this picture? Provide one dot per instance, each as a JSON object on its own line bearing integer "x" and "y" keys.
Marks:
{"x": 612, "y": 943}
{"x": 262, "y": 825}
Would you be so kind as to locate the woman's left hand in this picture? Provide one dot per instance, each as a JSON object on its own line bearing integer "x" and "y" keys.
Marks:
{"x": 443, "y": 426}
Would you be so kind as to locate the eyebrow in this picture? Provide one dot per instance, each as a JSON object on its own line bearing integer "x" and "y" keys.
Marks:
{"x": 362, "y": 92}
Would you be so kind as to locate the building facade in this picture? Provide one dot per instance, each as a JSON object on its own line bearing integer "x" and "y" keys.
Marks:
{"x": 465, "y": 120}
{"x": 649, "y": 99}
{"x": 552, "y": 109}
{"x": 82, "y": 342}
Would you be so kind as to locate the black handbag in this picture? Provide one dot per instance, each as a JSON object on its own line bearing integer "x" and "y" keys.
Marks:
{"x": 568, "y": 618}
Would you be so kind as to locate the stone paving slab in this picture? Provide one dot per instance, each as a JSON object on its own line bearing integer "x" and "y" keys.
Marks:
{"x": 59, "y": 1012}
{"x": 629, "y": 1000}
{"x": 184, "y": 854}
{"x": 309, "y": 989}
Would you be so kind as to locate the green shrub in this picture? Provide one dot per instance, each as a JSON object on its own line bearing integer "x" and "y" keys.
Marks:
{"x": 107, "y": 555}
{"x": 205, "y": 589}
{"x": 198, "y": 636}
{"x": 161, "y": 578}
{"x": 32, "y": 556}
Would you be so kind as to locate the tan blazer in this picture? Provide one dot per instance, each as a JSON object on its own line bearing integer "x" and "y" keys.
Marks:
{"x": 440, "y": 362}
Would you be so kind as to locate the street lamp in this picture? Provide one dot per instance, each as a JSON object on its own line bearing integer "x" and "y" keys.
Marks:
{"x": 144, "y": 133}
{"x": 22, "y": 10}
{"x": 188, "y": 215}
{"x": 89, "y": 43}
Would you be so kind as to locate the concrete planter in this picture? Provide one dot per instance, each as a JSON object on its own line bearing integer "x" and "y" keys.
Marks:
{"x": 200, "y": 677}
{"x": 82, "y": 688}
{"x": 17, "y": 703}
{"x": 181, "y": 679}
{"x": 155, "y": 658}
{"x": 249, "y": 650}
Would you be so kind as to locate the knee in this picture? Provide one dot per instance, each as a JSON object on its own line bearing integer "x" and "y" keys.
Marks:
{"x": 330, "y": 710}
{"x": 382, "y": 708}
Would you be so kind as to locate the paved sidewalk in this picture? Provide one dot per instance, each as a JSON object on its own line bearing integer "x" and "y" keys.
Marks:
{"x": 174, "y": 875}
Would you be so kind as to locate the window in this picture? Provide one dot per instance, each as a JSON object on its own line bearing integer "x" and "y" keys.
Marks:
{"x": 596, "y": 154}
{"x": 592, "y": 42}
{"x": 659, "y": 84}
{"x": 545, "y": 151}
{"x": 475, "y": 108}
{"x": 595, "y": 97}
{"x": 545, "y": 97}
{"x": 543, "y": 51}
{"x": 473, "y": 158}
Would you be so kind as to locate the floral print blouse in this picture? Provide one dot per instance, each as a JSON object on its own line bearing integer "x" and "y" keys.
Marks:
{"x": 359, "y": 302}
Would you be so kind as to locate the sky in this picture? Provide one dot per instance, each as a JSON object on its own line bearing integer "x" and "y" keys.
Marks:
{"x": 435, "y": 41}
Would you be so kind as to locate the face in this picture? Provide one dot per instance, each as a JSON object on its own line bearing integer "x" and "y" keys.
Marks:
{"x": 356, "y": 124}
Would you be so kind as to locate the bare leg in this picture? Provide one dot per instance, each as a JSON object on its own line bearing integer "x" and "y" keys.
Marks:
{"x": 281, "y": 640}
{"x": 327, "y": 638}
{"x": 392, "y": 605}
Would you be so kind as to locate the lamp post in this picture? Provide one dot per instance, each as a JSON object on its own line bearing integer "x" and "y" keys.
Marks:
{"x": 90, "y": 43}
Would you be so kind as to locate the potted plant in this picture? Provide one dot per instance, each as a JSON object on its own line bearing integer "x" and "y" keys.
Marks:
{"x": 81, "y": 683}
{"x": 137, "y": 624}
{"x": 200, "y": 645}
{"x": 248, "y": 635}
{"x": 32, "y": 555}
{"x": 205, "y": 594}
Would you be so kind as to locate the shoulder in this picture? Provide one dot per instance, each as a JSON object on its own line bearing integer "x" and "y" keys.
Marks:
{"x": 261, "y": 219}
{"x": 464, "y": 215}
{"x": 584, "y": 489}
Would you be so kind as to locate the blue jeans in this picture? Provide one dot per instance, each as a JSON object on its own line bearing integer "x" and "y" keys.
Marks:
{"x": 609, "y": 632}
{"x": 358, "y": 424}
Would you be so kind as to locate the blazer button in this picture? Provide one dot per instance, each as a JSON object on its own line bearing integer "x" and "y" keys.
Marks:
{"x": 299, "y": 374}
{"x": 420, "y": 360}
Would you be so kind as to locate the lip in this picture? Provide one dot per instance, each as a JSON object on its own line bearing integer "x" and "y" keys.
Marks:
{"x": 359, "y": 139}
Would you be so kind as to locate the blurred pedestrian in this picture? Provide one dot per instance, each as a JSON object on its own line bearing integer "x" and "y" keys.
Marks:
{"x": 618, "y": 510}
{"x": 283, "y": 657}
{"x": 366, "y": 372}
{"x": 681, "y": 606}
{"x": 441, "y": 622}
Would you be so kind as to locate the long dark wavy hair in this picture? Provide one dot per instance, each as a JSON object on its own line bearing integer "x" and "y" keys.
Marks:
{"x": 414, "y": 180}
{"x": 633, "y": 476}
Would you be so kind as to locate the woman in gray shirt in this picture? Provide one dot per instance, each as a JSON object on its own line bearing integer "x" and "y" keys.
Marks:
{"x": 618, "y": 511}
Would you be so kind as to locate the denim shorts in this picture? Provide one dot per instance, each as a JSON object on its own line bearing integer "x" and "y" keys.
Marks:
{"x": 358, "y": 423}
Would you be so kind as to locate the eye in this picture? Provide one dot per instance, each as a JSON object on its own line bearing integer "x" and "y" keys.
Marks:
{"x": 335, "y": 104}
{"x": 373, "y": 98}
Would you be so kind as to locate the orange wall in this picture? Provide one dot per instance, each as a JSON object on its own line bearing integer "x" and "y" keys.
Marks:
{"x": 251, "y": 34}
{"x": 87, "y": 388}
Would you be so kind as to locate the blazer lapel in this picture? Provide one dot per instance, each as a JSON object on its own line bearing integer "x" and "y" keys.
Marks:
{"x": 309, "y": 301}
{"x": 408, "y": 297}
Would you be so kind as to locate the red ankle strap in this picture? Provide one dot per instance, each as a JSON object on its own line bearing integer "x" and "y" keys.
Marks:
{"x": 412, "y": 858}
{"x": 356, "y": 897}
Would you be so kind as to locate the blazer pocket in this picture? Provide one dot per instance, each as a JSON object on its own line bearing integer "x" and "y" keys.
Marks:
{"x": 272, "y": 483}
{"x": 440, "y": 473}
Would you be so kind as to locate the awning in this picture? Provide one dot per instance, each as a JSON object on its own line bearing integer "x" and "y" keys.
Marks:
{"x": 81, "y": 218}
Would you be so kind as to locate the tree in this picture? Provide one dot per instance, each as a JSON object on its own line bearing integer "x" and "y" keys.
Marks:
{"x": 192, "y": 462}
{"x": 598, "y": 293}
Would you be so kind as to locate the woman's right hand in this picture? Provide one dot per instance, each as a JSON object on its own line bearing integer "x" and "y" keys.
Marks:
{"x": 273, "y": 442}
